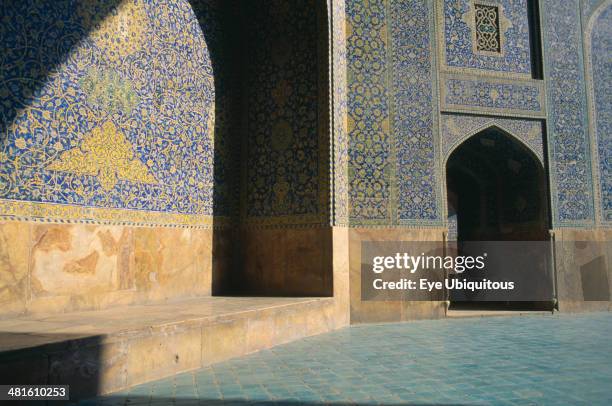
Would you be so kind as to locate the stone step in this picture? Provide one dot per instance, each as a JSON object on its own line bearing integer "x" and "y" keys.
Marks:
{"x": 99, "y": 352}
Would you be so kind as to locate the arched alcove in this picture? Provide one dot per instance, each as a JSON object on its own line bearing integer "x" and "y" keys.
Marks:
{"x": 271, "y": 162}
{"x": 498, "y": 188}
{"x": 497, "y": 192}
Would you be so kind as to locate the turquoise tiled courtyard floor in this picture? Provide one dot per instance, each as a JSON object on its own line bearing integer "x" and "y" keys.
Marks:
{"x": 562, "y": 359}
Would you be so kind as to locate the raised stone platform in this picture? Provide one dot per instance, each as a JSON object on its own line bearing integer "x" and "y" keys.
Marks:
{"x": 102, "y": 351}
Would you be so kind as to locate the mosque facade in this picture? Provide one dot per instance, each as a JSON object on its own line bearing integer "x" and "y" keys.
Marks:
{"x": 153, "y": 150}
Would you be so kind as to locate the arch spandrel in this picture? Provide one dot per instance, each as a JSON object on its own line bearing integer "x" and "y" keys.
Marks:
{"x": 455, "y": 129}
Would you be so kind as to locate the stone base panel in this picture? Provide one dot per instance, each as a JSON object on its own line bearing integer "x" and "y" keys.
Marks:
{"x": 110, "y": 350}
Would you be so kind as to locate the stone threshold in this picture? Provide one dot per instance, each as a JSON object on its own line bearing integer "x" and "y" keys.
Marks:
{"x": 103, "y": 351}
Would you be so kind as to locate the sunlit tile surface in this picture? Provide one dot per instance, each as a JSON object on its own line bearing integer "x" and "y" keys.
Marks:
{"x": 562, "y": 359}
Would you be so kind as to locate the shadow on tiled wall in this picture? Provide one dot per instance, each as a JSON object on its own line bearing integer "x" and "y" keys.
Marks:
{"x": 38, "y": 53}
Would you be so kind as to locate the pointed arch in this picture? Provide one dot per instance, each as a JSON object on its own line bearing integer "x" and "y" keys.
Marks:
{"x": 456, "y": 129}
{"x": 483, "y": 147}
{"x": 538, "y": 156}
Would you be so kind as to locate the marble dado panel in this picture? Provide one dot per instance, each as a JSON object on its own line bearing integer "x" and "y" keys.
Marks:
{"x": 71, "y": 267}
{"x": 371, "y": 311}
{"x": 286, "y": 261}
{"x": 14, "y": 266}
{"x": 503, "y": 97}
{"x": 583, "y": 270}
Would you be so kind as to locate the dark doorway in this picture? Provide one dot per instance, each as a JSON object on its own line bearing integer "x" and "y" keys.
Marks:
{"x": 496, "y": 190}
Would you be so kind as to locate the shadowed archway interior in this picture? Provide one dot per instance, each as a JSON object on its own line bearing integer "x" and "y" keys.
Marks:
{"x": 496, "y": 191}
{"x": 271, "y": 131}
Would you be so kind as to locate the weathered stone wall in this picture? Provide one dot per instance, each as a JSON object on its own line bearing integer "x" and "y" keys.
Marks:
{"x": 388, "y": 311}
{"x": 583, "y": 270}
{"x": 60, "y": 267}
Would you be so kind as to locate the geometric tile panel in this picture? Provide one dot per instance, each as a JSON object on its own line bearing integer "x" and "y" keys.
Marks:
{"x": 370, "y": 142}
{"x": 412, "y": 80}
{"x": 488, "y": 36}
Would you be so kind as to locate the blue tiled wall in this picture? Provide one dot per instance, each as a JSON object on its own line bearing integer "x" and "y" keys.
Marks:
{"x": 392, "y": 150}
{"x": 285, "y": 134}
{"x": 458, "y": 37}
{"x": 568, "y": 143}
{"x": 108, "y": 105}
{"x": 598, "y": 38}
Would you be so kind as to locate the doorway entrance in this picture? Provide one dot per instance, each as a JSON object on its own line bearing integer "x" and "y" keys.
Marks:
{"x": 497, "y": 192}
